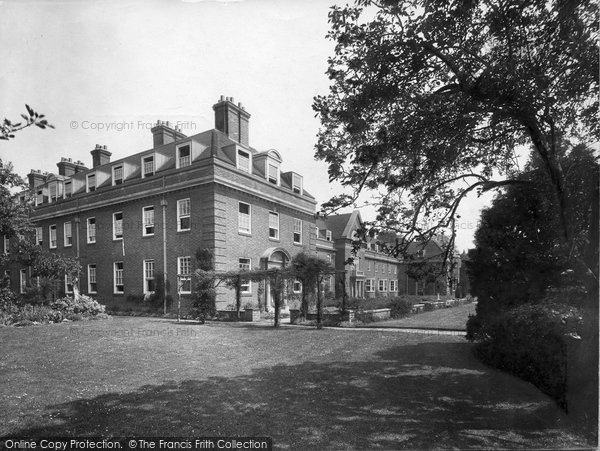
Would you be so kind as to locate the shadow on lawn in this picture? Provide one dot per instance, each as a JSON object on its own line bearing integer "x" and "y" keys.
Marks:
{"x": 442, "y": 398}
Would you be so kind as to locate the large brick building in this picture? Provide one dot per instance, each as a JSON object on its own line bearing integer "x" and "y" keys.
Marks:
{"x": 131, "y": 220}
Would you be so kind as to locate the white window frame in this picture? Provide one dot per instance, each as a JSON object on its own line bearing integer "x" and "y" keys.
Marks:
{"x": 116, "y": 279}
{"x": 328, "y": 235}
{"x": 393, "y": 285}
{"x": 148, "y": 226}
{"x": 368, "y": 266}
{"x": 22, "y": 281}
{"x": 178, "y": 158}
{"x": 297, "y": 182}
{"x": 181, "y": 215}
{"x": 113, "y": 172}
{"x": 88, "y": 188}
{"x": 369, "y": 285}
{"x": 273, "y": 214}
{"x": 52, "y": 227}
{"x": 241, "y": 219}
{"x": 297, "y": 282}
{"x": 238, "y": 161}
{"x": 114, "y": 224}
{"x": 91, "y": 239}
{"x": 184, "y": 276}
{"x": 39, "y": 236}
{"x": 147, "y": 276}
{"x": 53, "y": 186}
{"x": 276, "y": 167}
{"x": 382, "y": 285}
{"x": 143, "y": 166}
{"x": 67, "y": 238}
{"x": 67, "y": 278}
{"x": 68, "y": 194}
{"x": 92, "y": 280}
{"x": 39, "y": 197}
{"x": 245, "y": 285}
{"x": 297, "y": 231}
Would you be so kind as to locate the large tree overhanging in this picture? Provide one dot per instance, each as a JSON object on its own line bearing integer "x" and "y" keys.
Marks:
{"x": 428, "y": 101}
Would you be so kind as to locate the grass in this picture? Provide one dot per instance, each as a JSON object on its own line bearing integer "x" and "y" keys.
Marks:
{"x": 308, "y": 389}
{"x": 454, "y": 318}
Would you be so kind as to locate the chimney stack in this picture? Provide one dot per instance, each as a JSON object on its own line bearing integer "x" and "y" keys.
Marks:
{"x": 100, "y": 156}
{"x": 36, "y": 178}
{"x": 232, "y": 119}
{"x": 163, "y": 133}
{"x": 66, "y": 167}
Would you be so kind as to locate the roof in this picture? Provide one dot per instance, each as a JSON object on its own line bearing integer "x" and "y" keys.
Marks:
{"x": 343, "y": 225}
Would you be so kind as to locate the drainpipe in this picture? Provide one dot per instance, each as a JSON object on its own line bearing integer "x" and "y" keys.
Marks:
{"x": 76, "y": 221}
{"x": 163, "y": 204}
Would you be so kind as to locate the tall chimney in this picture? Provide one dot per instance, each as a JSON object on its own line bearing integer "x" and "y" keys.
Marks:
{"x": 66, "y": 167}
{"x": 36, "y": 178}
{"x": 232, "y": 119}
{"x": 163, "y": 133}
{"x": 100, "y": 156}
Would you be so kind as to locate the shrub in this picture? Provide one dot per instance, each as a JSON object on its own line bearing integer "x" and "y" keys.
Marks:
{"x": 400, "y": 307}
{"x": 83, "y": 305}
{"x": 531, "y": 342}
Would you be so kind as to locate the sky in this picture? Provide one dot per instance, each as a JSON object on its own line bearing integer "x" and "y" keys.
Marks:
{"x": 103, "y": 72}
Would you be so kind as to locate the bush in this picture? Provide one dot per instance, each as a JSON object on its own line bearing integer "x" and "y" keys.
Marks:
{"x": 531, "y": 342}
{"x": 401, "y": 307}
{"x": 84, "y": 306}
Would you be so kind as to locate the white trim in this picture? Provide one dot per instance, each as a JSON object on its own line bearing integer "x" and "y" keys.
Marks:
{"x": 65, "y": 233}
{"x": 181, "y": 216}
{"x": 180, "y": 274}
{"x": 115, "y": 277}
{"x": 87, "y": 230}
{"x": 177, "y": 157}
{"x": 89, "y": 290}
{"x": 145, "y": 276}
{"x": 144, "y": 232}
{"x": 50, "y": 236}
{"x": 237, "y": 162}
{"x": 142, "y": 166}
{"x": 114, "y": 223}
{"x": 294, "y": 231}
{"x": 87, "y": 182}
{"x": 116, "y": 166}
{"x": 249, "y": 214}
{"x": 276, "y": 237}
{"x": 22, "y": 281}
{"x": 249, "y": 284}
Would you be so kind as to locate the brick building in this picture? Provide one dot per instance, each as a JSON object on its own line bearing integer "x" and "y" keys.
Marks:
{"x": 131, "y": 220}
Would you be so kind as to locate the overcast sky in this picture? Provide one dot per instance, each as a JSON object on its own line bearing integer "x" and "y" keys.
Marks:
{"x": 104, "y": 71}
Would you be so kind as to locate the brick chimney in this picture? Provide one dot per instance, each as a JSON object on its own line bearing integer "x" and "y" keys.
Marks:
{"x": 163, "y": 133}
{"x": 100, "y": 155}
{"x": 80, "y": 167}
{"x": 36, "y": 178}
{"x": 232, "y": 119}
{"x": 66, "y": 167}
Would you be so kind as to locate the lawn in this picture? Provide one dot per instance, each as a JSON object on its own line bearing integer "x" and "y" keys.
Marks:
{"x": 454, "y": 318}
{"x": 308, "y": 389}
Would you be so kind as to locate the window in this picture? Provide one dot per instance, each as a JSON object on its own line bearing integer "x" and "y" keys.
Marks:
{"x": 389, "y": 268}
{"x": 328, "y": 235}
{"x": 148, "y": 166}
{"x": 52, "y": 234}
{"x": 183, "y": 215}
{"x": 244, "y": 218}
{"x": 53, "y": 192}
{"x": 376, "y": 266}
{"x": 22, "y": 281}
{"x": 382, "y": 285}
{"x": 6, "y": 242}
{"x": 118, "y": 278}
{"x": 117, "y": 175}
{"x": 297, "y": 286}
{"x": 39, "y": 239}
{"x": 393, "y": 285}
{"x": 273, "y": 225}
{"x": 273, "y": 174}
{"x": 68, "y": 283}
{"x": 92, "y": 285}
{"x": 91, "y": 183}
{"x": 184, "y": 156}
{"x": 395, "y": 270}
{"x": 91, "y": 230}
{"x": 297, "y": 231}
{"x": 368, "y": 266}
{"x": 39, "y": 198}
{"x": 184, "y": 271}
{"x": 370, "y": 285}
{"x": 297, "y": 183}
{"x": 68, "y": 189}
{"x": 243, "y": 160}
{"x": 244, "y": 265}
{"x": 118, "y": 226}
{"x": 149, "y": 276}
{"x": 148, "y": 221}
{"x": 68, "y": 234}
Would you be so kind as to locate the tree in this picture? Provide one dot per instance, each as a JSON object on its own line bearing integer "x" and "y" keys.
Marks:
{"x": 205, "y": 302}
{"x": 8, "y": 128}
{"x": 311, "y": 271}
{"x": 429, "y": 100}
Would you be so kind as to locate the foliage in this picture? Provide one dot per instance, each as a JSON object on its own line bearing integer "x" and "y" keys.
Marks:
{"x": 531, "y": 341}
{"x": 8, "y": 127}
{"x": 83, "y": 305}
{"x": 429, "y": 100}
{"x": 311, "y": 271}
{"x": 204, "y": 305}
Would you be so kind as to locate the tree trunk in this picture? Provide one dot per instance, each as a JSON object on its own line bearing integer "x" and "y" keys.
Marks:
{"x": 276, "y": 304}
{"x": 304, "y": 302}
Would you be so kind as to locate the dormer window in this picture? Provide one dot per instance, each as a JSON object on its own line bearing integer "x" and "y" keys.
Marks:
{"x": 148, "y": 166}
{"x": 297, "y": 183}
{"x": 273, "y": 174}
{"x": 243, "y": 160}
{"x": 39, "y": 197}
{"x": 68, "y": 189}
{"x": 328, "y": 235}
{"x": 91, "y": 182}
{"x": 117, "y": 175}
{"x": 184, "y": 156}
{"x": 53, "y": 191}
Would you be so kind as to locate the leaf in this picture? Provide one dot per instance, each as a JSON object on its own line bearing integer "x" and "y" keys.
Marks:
{"x": 29, "y": 110}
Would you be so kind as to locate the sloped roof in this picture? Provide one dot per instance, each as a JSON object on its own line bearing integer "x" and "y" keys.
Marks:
{"x": 343, "y": 225}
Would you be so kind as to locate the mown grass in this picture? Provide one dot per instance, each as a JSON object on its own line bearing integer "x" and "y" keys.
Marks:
{"x": 308, "y": 389}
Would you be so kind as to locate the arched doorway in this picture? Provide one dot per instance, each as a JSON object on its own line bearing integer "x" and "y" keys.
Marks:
{"x": 274, "y": 257}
